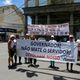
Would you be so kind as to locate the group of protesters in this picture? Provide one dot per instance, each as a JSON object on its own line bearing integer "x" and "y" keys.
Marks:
{"x": 12, "y": 51}
{"x": 12, "y": 59}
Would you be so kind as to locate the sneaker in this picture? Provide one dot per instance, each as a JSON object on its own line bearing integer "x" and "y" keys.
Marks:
{"x": 20, "y": 62}
{"x": 34, "y": 65}
{"x": 9, "y": 66}
{"x": 71, "y": 70}
{"x": 27, "y": 62}
{"x": 67, "y": 70}
{"x": 51, "y": 66}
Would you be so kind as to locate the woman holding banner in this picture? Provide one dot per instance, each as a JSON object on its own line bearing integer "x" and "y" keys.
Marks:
{"x": 11, "y": 51}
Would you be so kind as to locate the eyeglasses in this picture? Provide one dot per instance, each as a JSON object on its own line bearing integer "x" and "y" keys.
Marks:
{"x": 71, "y": 38}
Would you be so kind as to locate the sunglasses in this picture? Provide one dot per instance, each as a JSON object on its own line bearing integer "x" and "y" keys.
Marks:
{"x": 71, "y": 38}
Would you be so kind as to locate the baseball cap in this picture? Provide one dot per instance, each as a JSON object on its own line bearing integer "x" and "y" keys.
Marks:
{"x": 70, "y": 36}
{"x": 27, "y": 34}
{"x": 12, "y": 36}
{"x": 52, "y": 36}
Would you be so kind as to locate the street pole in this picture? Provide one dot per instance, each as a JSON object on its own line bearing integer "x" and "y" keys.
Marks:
{"x": 25, "y": 25}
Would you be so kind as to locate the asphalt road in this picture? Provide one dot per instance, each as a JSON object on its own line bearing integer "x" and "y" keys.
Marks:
{"x": 40, "y": 72}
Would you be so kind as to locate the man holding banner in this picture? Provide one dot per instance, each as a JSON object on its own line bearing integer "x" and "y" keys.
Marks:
{"x": 27, "y": 37}
{"x": 33, "y": 60}
{"x": 52, "y": 63}
{"x": 71, "y": 40}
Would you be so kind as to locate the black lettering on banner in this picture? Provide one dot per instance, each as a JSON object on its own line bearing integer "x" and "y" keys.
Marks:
{"x": 33, "y": 49}
{"x": 22, "y": 48}
{"x": 68, "y": 52}
{"x": 25, "y": 48}
{"x": 44, "y": 50}
{"x": 28, "y": 48}
{"x": 50, "y": 51}
{"x": 36, "y": 49}
{"x": 27, "y": 54}
{"x": 45, "y": 44}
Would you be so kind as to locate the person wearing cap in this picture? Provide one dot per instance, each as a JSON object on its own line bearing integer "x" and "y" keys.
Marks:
{"x": 27, "y": 37}
{"x": 52, "y": 63}
{"x": 11, "y": 50}
{"x": 71, "y": 40}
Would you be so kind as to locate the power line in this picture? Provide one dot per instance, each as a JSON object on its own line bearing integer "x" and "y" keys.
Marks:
{"x": 14, "y": 11}
{"x": 22, "y": 6}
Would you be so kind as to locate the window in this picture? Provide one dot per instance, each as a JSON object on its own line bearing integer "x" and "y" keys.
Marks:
{"x": 42, "y": 2}
{"x": 31, "y": 3}
{"x": 76, "y": 0}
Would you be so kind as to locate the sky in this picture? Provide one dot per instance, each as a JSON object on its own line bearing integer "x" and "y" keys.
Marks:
{"x": 18, "y": 3}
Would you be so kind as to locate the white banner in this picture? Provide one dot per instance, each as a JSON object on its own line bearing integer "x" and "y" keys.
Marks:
{"x": 56, "y": 30}
{"x": 57, "y": 51}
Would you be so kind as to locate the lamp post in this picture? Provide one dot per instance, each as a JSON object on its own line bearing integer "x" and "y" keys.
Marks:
{"x": 25, "y": 25}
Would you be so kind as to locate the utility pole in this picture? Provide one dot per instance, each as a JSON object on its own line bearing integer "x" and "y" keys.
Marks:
{"x": 25, "y": 19}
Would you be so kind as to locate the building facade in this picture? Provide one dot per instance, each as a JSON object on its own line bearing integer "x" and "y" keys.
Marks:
{"x": 54, "y": 12}
{"x": 11, "y": 21}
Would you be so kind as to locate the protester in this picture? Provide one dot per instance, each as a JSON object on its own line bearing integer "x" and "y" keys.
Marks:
{"x": 11, "y": 50}
{"x": 71, "y": 40}
{"x": 41, "y": 39}
{"x": 15, "y": 56}
{"x": 52, "y": 63}
{"x": 78, "y": 41}
{"x": 33, "y": 60}
{"x": 27, "y": 37}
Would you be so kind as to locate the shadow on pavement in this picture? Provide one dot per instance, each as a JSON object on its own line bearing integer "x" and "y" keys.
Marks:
{"x": 70, "y": 71}
{"x": 21, "y": 70}
{"x": 58, "y": 78}
{"x": 31, "y": 73}
{"x": 78, "y": 64}
{"x": 12, "y": 67}
{"x": 35, "y": 66}
{"x": 57, "y": 69}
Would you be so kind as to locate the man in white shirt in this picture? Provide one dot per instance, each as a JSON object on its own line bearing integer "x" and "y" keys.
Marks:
{"x": 27, "y": 37}
{"x": 52, "y": 63}
{"x": 71, "y": 40}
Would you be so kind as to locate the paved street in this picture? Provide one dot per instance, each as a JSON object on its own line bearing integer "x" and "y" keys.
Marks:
{"x": 41, "y": 72}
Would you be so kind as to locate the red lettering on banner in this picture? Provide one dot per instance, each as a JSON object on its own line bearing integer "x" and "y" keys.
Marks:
{"x": 53, "y": 57}
{"x": 34, "y": 55}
